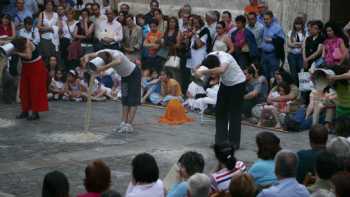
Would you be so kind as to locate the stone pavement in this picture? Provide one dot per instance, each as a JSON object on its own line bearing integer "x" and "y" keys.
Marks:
{"x": 28, "y": 150}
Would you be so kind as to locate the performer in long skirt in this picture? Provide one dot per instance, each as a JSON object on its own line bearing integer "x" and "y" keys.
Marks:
{"x": 33, "y": 83}
{"x": 230, "y": 96}
{"x": 131, "y": 83}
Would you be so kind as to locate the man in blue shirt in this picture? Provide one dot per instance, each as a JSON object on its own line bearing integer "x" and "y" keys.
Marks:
{"x": 286, "y": 163}
{"x": 21, "y": 11}
{"x": 272, "y": 32}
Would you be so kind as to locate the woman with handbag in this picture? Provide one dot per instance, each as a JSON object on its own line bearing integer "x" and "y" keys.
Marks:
{"x": 66, "y": 36}
{"x": 83, "y": 33}
{"x": 335, "y": 50}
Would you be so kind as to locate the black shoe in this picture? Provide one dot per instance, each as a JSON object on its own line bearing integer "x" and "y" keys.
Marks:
{"x": 23, "y": 115}
{"x": 34, "y": 116}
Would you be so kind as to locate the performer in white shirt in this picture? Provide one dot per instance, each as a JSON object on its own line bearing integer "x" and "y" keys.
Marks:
{"x": 131, "y": 83}
{"x": 230, "y": 96}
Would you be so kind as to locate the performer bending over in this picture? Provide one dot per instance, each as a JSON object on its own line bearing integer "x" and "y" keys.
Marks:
{"x": 34, "y": 76}
{"x": 131, "y": 83}
{"x": 230, "y": 96}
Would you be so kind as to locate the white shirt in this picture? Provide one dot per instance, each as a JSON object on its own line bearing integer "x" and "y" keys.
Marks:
{"x": 150, "y": 190}
{"x": 112, "y": 30}
{"x": 195, "y": 89}
{"x": 233, "y": 74}
{"x": 212, "y": 30}
{"x": 49, "y": 23}
{"x": 97, "y": 23}
{"x": 301, "y": 40}
{"x": 68, "y": 30}
{"x": 32, "y": 35}
{"x": 126, "y": 67}
{"x": 198, "y": 55}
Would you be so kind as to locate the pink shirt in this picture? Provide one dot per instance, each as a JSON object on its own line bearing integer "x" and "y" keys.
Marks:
{"x": 331, "y": 46}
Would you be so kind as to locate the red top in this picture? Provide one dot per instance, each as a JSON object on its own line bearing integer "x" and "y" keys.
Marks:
{"x": 6, "y": 30}
{"x": 90, "y": 194}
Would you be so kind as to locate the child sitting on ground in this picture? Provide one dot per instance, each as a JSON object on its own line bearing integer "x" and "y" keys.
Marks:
{"x": 276, "y": 109}
{"x": 72, "y": 88}
{"x": 150, "y": 84}
{"x": 56, "y": 87}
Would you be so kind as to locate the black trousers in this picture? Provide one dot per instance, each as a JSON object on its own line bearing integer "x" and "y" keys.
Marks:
{"x": 228, "y": 114}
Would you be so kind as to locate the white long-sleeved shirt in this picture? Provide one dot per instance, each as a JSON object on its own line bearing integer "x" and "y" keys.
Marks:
{"x": 112, "y": 30}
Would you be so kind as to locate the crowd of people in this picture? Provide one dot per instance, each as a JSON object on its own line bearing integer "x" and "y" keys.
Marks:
{"x": 169, "y": 49}
{"x": 321, "y": 171}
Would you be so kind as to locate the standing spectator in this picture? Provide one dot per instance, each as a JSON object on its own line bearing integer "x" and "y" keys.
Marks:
{"x": 110, "y": 33}
{"x": 252, "y": 7}
{"x": 60, "y": 9}
{"x": 162, "y": 24}
{"x": 172, "y": 35}
{"x": 286, "y": 163}
{"x": 296, "y": 38}
{"x": 152, "y": 44}
{"x": 262, "y": 8}
{"x": 222, "y": 42}
{"x": 263, "y": 170}
{"x": 55, "y": 184}
{"x": 97, "y": 18}
{"x": 242, "y": 185}
{"x": 229, "y": 25}
{"x": 20, "y": 13}
{"x": 48, "y": 28}
{"x": 132, "y": 36}
{"x": 97, "y": 179}
{"x": 227, "y": 167}
{"x": 198, "y": 185}
{"x": 256, "y": 28}
{"x": 125, "y": 8}
{"x": 84, "y": 32}
{"x": 313, "y": 44}
{"x": 231, "y": 92}
{"x": 200, "y": 42}
{"x": 184, "y": 16}
{"x": 318, "y": 136}
{"x": 154, "y": 4}
{"x": 211, "y": 20}
{"x": 29, "y": 31}
{"x": 326, "y": 165}
{"x": 244, "y": 43}
{"x": 7, "y": 28}
{"x": 272, "y": 33}
{"x": 145, "y": 178}
{"x": 335, "y": 50}
{"x": 189, "y": 164}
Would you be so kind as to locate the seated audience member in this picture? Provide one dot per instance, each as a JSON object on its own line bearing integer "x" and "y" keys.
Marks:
{"x": 29, "y": 31}
{"x": 55, "y": 185}
{"x": 189, "y": 164}
{"x": 255, "y": 91}
{"x": 227, "y": 167}
{"x": 56, "y": 87}
{"x": 98, "y": 92}
{"x": 263, "y": 170}
{"x": 7, "y": 28}
{"x": 140, "y": 21}
{"x": 318, "y": 136}
{"x": 132, "y": 36}
{"x": 286, "y": 163}
{"x": 97, "y": 179}
{"x": 162, "y": 24}
{"x": 150, "y": 84}
{"x": 194, "y": 91}
{"x": 326, "y": 165}
{"x": 154, "y": 4}
{"x": 277, "y": 109}
{"x": 110, "y": 32}
{"x": 340, "y": 146}
{"x": 242, "y": 185}
{"x": 322, "y": 193}
{"x": 111, "y": 80}
{"x": 110, "y": 193}
{"x": 72, "y": 87}
{"x": 198, "y": 185}
{"x": 341, "y": 183}
{"x": 169, "y": 89}
{"x": 152, "y": 44}
{"x": 145, "y": 178}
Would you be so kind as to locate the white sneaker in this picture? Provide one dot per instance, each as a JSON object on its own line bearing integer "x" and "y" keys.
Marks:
{"x": 129, "y": 128}
{"x": 122, "y": 125}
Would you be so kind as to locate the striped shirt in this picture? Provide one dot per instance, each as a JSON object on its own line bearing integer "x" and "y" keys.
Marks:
{"x": 221, "y": 179}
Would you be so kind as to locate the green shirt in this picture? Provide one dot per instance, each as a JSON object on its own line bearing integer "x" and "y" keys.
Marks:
{"x": 343, "y": 100}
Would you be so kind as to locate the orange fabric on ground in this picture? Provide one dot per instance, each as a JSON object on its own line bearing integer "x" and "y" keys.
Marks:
{"x": 175, "y": 114}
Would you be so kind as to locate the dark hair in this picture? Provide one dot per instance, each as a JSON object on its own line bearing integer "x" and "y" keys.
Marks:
{"x": 225, "y": 153}
{"x": 96, "y": 4}
{"x": 211, "y": 61}
{"x": 341, "y": 182}
{"x": 28, "y": 20}
{"x": 317, "y": 23}
{"x": 250, "y": 70}
{"x": 318, "y": 134}
{"x": 286, "y": 76}
{"x": 228, "y": 13}
{"x": 85, "y": 10}
{"x": 252, "y": 13}
{"x": 298, "y": 21}
{"x": 49, "y": 1}
{"x": 286, "y": 164}
{"x": 154, "y": 1}
{"x": 106, "y": 56}
{"x": 338, "y": 31}
{"x": 222, "y": 23}
{"x": 200, "y": 20}
{"x": 157, "y": 10}
{"x": 343, "y": 126}
{"x": 285, "y": 86}
{"x": 55, "y": 184}
{"x": 193, "y": 162}
{"x": 97, "y": 177}
{"x": 111, "y": 193}
{"x": 19, "y": 43}
{"x": 7, "y": 16}
{"x": 269, "y": 13}
{"x": 241, "y": 18}
{"x": 326, "y": 165}
{"x": 154, "y": 21}
{"x": 167, "y": 72}
{"x": 145, "y": 168}
{"x": 217, "y": 14}
{"x": 268, "y": 145}
{"x": 176, "y": 26}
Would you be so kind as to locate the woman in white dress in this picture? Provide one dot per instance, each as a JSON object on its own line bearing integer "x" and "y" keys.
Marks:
{"x": 222, "y": 41}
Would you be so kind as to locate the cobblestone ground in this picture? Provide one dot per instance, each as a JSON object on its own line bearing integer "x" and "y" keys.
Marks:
{"x": 28, "y": 150}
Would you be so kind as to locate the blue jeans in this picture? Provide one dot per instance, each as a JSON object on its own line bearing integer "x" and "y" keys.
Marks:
{"x": 295, "y": 62}
{"x": 270, "y": 64}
